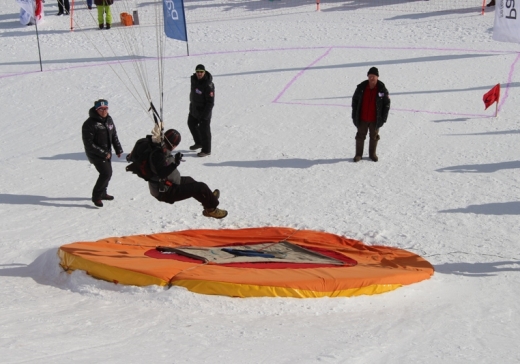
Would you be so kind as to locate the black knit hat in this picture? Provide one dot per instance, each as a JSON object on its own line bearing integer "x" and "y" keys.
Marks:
{"x": 373, "y": 71}
{"x": 200, "y": 67}
{"x": 172, "y": 138}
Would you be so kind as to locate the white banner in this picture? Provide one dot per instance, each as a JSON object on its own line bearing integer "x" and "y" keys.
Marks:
{"x": 507, "y": 22}
{"x": 27, "y": 5}
{"x": 30, "y": 10}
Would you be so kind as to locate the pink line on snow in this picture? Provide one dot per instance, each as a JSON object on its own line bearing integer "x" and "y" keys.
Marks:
{"x": 392, "y": 109}
{"x": 301, "y": 73}
{"x": 511, "y": 71}
{"x": 329, "y": 48}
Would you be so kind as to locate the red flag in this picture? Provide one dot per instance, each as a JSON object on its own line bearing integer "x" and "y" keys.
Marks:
{"x": 38, "y": 10}
{"x": 492, "y": 96}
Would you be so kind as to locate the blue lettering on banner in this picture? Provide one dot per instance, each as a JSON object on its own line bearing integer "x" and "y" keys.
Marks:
{"x": 510, "y": 6}
{"x": 174, "y": 19}
{"x": 171, "y": 8}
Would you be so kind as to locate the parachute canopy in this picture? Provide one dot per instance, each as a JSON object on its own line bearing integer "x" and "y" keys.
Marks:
{"x": 254, "y": 262}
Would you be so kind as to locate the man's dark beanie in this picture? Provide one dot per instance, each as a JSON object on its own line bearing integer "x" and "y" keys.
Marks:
{"x": 200, "y": 67}
{"x": 373, "y": 71}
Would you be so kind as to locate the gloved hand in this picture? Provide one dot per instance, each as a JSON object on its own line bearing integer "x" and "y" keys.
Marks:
{"x": 178, "y": 158}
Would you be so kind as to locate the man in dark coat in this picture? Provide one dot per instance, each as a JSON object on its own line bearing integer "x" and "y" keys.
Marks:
{"x": 99, "y": 136}
{"x": 202, "y": 100}
{"x": 63, "y": 7}
{"x": 169, "y": 186}
{"x": 370, "y": 107}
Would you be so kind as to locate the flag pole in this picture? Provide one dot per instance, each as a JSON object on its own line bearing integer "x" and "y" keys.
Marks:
{"x": 498, "y": 100}
{"x": 38, "y": 41}
{"x": 186, "y": 30}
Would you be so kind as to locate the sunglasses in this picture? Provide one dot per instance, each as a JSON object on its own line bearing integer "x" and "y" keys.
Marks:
{"x": 200, "y": 71}
{"x": 103, "y": 108}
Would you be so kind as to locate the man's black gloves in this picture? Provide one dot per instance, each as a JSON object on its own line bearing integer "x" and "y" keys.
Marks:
{"x": 178, "y": 158}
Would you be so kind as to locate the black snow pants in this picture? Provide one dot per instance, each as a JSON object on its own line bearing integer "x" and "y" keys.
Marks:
{"x": 104, "y": 168}
{"x": 201, "y": 132}
{"x": 187, "y": 189}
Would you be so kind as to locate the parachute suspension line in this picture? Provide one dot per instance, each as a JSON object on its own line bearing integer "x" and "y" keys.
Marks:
{"x": 160, "y": 43}
{"x": 157, "y": 118}
{"x": 135, "y": 42}
{"x": 125, "y": 81}
{"x": 135, "y": 45}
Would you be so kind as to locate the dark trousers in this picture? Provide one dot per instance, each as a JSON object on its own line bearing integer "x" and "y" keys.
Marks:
{"x": 201, "y": 132}
{"x": 364, "y": 128}
{"x": 63, "y": 6}
{"x": 190, "y": 188}
{"x": 105, "y": 173}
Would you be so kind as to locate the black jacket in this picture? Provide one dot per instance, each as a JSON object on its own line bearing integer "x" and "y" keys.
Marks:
{"x": 99, "y": 136}
{"x": 382, "y": 103}
{"x": 162, "y": 164}
{"x": 165, "y": 169}
{"x": 202, "y": 96}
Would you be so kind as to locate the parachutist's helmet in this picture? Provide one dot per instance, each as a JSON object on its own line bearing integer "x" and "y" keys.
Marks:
{"x": 172, "y": 138}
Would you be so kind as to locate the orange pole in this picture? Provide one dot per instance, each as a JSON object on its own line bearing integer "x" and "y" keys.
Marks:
{"x": 483, "y": 7}
{"x": 318, "y": 5}
{"x": 72, "y": 15}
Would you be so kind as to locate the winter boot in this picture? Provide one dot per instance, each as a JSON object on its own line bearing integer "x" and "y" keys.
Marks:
{"x": 215, "y": 213}
{"x": 195, "y": 146}
{"x": 98, "y": 203}
{"x": 107, "y": 197}
{"x": 216, "y": 193}
{"x": 372, "y": 146}
{"x": 101, "y": 26}
{"x": 359, "y": 150}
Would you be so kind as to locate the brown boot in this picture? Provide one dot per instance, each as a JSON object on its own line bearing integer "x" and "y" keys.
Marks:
{"x": 359, "y": 150}
{"x": 372, "y": 146}
{"x": 215, "y": 213}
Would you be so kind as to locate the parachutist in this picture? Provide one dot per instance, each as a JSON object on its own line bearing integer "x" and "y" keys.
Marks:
{"x": 155, "y": 163}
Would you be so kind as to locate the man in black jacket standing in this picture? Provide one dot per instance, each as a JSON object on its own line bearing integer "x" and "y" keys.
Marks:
{"x": 202, "y": 100}
{"x": 99, "y": 136}
{"x": 370, "y": 107}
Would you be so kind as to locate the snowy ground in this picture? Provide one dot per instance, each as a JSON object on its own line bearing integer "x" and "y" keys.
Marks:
{"x": 446, "y": 185}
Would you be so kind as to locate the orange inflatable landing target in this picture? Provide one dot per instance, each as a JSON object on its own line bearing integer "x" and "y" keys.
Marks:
{"x": 255, "y": 262}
